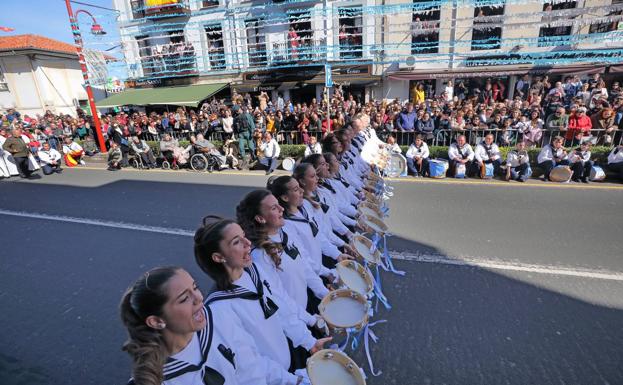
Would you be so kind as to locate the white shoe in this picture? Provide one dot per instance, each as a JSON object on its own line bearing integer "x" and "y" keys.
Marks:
{"x": 82, "y": 162}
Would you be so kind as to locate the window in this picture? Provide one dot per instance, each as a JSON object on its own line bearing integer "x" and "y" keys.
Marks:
{"x": 256, "y": 42}
{"x": 425, "y": 29}
{"x": 546, "y": 33}
{"x": 487, "y": 32}
{"x": 216, "y": 48}
{"x": 300, "y": 36}
{"x": 351, "y": 32}
{"x": 608, "y": 27}
{"x": 3, "y": 84}
{"x": 209, "y": 3}
{"x": 138, "y": 9}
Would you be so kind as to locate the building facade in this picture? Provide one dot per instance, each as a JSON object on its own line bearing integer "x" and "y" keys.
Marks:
{"x": 39, "y": 74}
{"x": 375, "y": 48}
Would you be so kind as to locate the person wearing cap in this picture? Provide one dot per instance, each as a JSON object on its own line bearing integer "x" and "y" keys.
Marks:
{"x": 580, "y": 126}
{"x": 581, "y": 163}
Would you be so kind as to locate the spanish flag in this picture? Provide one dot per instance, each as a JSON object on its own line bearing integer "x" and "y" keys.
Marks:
{"x": 159, "y": 3}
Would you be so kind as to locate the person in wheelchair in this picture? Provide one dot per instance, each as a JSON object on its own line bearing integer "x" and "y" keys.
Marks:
{"x": 173, "y": 153}
{"x": 203, "y": 146}
{"x": 142, "y": 150}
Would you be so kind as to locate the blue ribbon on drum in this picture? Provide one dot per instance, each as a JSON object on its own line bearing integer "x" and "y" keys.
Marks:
{"x": 387, "y": 265}
{"x": 366, "y": 333}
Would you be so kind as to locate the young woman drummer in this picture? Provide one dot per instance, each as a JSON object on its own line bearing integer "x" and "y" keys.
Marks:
{"x": 247, "y": 299}
{"x": 339, "y": 184}
{"x": 347, "y": 213}
{"x": 173, "y": 339}
{"x": 278, "y": 248}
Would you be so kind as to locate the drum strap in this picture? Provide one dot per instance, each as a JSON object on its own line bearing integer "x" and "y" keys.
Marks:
{"x": 616, "y": 150}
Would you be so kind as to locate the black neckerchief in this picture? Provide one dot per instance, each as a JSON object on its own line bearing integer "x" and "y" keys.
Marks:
{"x": 312, "y": 224}
{"x": 460, "y": 150}
{"x": 326, "y": 185}
{"x": 174, "y": 368}
{"x": 292, "y": 251}
{"x": 323, "y": 206}
{"x": 339, "y": 177}
{"x": 268, "y": 306}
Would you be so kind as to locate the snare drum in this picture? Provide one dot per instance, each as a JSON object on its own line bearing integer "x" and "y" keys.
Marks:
{"x": 344, "y": 309}
{"x": 397, "y": 166}
{"x": 367, "y": 210}
{"x": 332, "y": 367}
{"x": 353, "y": 276}
{"x": 437, "y": 168}
{"x": 372, "y": 224}
{"x": 288, "y": 164}
{"x": 363, "y": 247}
{"x": 597, "y": 173}
{"x": 560, "y": 174}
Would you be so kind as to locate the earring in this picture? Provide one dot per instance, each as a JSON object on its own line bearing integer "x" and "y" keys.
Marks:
{"x": 162, "y": 325}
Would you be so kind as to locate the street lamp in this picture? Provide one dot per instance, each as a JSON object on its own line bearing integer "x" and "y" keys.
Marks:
{"x": 96, "y": 29}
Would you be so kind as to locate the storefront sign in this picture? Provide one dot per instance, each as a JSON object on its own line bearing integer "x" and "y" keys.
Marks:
{"x": 284, "y": 75}
{"x": 352, "y": 70}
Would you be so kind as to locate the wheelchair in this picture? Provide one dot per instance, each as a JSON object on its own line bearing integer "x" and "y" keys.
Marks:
{"x": 136, "y": 161}
{"x": 204, "y": 161}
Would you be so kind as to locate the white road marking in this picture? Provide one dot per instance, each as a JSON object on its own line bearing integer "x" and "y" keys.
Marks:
{"x": 421, "y": 258}
{"x": 511, "y": 266}
{"x": 100, "y": 222}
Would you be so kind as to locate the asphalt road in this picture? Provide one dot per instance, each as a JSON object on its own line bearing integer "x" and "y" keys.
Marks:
{"x": 451, "y": 323}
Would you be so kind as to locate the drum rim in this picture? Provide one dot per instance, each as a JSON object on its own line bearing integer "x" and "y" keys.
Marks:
{"x": 376, "y": 221}
{"x": 376, "y": 254}
{"x": 358, "y": 267}
{"x": 320, "y": 355}
{"x": 556, "y": 170}
{"x": 344, "y": 293}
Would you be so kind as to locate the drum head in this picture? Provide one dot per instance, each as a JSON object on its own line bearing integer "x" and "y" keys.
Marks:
{"x": 560, "y": 174}
{"x": 396, "y": 166}
{"x": 332, "y": 367}
{"x": 344, "y": 308}
{"x": 363, "y": 245}
{"x": 366, "y": 210}
{"x": 288, "y": 164}
{"x": 355, "y": 277}
{"x": 375, "y": 223}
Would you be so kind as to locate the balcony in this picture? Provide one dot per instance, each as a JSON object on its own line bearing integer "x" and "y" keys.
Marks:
{"x": 165, "y": 9}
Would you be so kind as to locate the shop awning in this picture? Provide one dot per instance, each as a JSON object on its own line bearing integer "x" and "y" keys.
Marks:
{"x": 177, "y": 96}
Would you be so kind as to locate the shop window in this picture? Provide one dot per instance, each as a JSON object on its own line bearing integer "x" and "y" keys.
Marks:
{"x": 351, "y": 32}
{"x": 608, "y": 27}
{"x": 547, "y": 34}
{"x": 425, "y": 29}
{"x": 216, "y": 48}
{"x": 487, "y": 33}
{"x": 256, "y": 43}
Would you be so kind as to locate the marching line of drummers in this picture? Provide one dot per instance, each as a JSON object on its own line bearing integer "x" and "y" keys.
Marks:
{"x": 292, "y": 274}
{"x": 485, "y": 161}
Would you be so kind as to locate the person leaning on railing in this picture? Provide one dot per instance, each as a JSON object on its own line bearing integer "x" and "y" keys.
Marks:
{"x": 579, "y": 126}
{"x": 603, "y": 122}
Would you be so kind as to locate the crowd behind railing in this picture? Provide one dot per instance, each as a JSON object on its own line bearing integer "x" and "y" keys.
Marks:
{"x": 585, "y": 110}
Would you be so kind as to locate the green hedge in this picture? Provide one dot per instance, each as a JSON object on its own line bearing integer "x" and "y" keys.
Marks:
{"x": 600, "y": 154}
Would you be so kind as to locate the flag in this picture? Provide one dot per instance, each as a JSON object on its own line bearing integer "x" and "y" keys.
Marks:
{"x": 7, "y": 29}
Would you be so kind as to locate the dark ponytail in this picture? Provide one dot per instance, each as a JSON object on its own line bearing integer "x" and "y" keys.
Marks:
{"x": 299, "y": 174}
{"x": 207, "y": 242}
{"x": 146, "y": 345}
{"x": 246, "y": 211}
{"x": 278, "y": 186}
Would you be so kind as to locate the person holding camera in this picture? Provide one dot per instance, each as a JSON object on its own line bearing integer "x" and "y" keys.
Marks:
{"x": 581, "y": 163}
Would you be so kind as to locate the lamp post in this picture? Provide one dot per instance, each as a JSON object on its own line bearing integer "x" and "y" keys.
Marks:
{"x": 96, "y": 29}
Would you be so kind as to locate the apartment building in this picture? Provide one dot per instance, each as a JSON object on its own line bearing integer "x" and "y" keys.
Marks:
{"x": 375, "y": 48}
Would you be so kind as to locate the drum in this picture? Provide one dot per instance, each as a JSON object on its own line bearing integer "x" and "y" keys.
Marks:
{"x": 459, "y": 171}
{"x": 396, "y": 166}
{"x": 332, "y": 367}
{"x": 367, "y": 210}
{"x": 344, "y": 309}
{"x": 288, "y": 164}
{"x": 437, "y": 168}
{"x": 560, "y": 174}
{"x": 363, "y": 247}
{"x": 597, "y": 173}
{"x": 486, "y": 170}
{"x": 370, "y": 197}
{"x": 353, "y": 276}
{"x": 372, "y": 224}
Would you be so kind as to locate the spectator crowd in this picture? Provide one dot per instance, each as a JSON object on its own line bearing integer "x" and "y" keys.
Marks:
{"x": 579, "y": 113}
